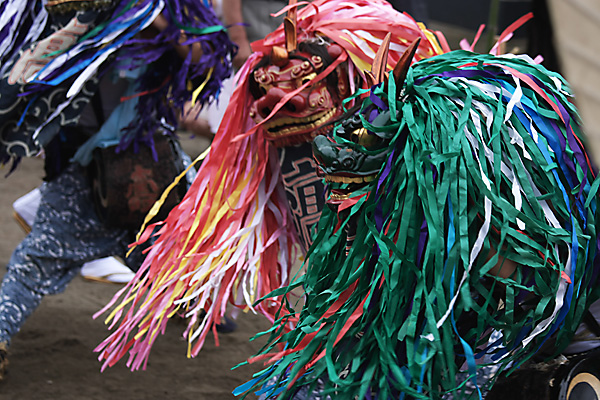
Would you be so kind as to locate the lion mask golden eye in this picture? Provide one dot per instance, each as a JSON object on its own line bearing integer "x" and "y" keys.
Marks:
{"x": 306, "y": 79}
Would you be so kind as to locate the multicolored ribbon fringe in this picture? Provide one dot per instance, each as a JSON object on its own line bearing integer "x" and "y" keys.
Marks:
{"x": 487, "y": 169}
{"x": 231, "y": 240}
{"x": 51, "y": 89}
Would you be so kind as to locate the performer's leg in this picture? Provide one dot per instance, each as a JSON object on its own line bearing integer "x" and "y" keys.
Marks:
{"x": 66, "y": 233}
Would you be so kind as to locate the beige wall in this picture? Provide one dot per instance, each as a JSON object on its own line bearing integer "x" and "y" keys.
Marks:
{"x": 577, "y": 30}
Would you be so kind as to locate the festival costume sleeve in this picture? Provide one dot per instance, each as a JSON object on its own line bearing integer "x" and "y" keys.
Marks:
{"x": 488, "y": 163}
{"x": 44, "y": 86}
{"x": 20, "y": 25}
{"x": 231, "y": 238}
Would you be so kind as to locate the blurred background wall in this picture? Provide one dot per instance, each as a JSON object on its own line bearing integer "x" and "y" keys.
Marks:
{"x": 577, "y": 36}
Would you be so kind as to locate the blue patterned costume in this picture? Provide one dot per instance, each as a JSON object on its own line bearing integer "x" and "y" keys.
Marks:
{"x": 55, "y": 108}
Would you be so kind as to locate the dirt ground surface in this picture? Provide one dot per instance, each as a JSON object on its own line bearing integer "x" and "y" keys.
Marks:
{"x": 52, "y": 357}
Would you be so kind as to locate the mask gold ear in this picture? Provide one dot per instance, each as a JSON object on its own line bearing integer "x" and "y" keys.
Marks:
{"x": 377, "y": 73}
{"x": 279, "y": 56}
{"x": 370, "y": 79}
{"x": 289, "y": 27}
{"x": 401, "y": 69}
{"x": 380, "y": 61}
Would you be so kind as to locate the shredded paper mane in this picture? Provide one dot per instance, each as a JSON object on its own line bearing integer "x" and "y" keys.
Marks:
{"x": 45, "y": 85}
{"x": 231, "y": 240}
{"x": 487, "y": 166}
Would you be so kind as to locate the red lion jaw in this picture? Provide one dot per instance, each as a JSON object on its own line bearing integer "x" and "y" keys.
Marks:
{"x": 301, "y": 128}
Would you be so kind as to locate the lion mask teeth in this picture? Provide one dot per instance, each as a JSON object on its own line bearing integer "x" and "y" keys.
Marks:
{"x": 290, "y": 125}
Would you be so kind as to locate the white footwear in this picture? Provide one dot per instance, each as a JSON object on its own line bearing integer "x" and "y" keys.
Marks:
{"x": 108, "y": 270}
{"x": 25, "y": 208}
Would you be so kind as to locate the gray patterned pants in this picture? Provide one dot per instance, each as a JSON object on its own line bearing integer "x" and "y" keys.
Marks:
{"x": 66, "y": 233}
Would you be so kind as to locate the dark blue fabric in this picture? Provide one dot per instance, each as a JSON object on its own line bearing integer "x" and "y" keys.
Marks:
{"x": 66, "y": 234}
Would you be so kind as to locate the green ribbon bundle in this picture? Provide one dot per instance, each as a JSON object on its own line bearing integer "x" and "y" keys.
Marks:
{"x": 475, "y": 246}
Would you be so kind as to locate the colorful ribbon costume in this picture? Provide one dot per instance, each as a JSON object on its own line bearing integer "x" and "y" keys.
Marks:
{"x": 232, "y": 238}
{"x": 53, "y": 53}
{"x": 473, "y": 245}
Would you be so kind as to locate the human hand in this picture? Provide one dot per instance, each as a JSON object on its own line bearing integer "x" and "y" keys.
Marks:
{"x": 244, "y": 51}
{"x": 237, "y": 33}
{"x": 160, "y": 23}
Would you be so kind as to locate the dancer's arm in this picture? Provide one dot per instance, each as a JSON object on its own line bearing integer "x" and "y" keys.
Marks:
{"x": 233, "y": 19}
